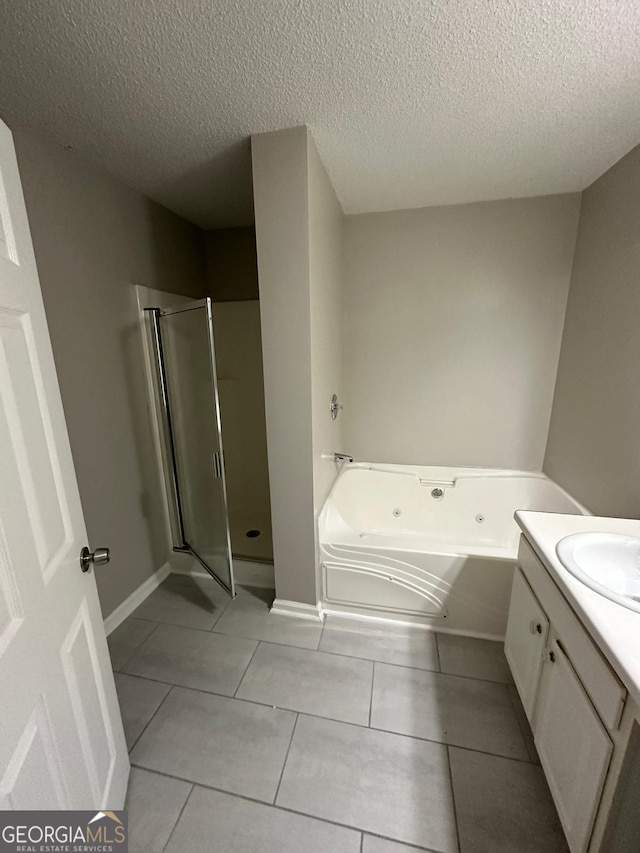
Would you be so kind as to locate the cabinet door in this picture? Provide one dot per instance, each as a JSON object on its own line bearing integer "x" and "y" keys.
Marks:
{"x": 527, "y": 631}
{"x": 574, "y": 748}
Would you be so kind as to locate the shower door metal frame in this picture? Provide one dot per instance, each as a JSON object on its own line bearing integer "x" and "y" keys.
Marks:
{"x": 175, "y": 504}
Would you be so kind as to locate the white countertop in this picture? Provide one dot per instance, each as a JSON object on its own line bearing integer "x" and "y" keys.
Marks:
{"x": 615, "y": 629}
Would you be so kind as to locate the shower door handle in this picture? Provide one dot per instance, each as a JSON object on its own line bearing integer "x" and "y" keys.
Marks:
{"x": 217, "y": 465}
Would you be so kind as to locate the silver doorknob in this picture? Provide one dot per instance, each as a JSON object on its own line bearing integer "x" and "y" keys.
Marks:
{"x": 98, "y": 557}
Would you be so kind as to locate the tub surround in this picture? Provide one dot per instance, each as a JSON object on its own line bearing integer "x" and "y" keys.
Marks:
{"x": 614, "y": 628}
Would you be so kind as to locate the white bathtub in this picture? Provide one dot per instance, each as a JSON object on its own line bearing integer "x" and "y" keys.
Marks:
{"x": 390, "y": 549}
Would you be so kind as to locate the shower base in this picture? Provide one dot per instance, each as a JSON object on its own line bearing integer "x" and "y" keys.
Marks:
{"x": 258, "y": 548}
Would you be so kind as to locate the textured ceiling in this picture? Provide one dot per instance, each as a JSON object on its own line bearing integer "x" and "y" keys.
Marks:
{"x": 411, "y": 102}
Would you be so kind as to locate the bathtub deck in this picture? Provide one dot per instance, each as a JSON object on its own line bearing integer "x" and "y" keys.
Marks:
{"x": 250, "y": 731}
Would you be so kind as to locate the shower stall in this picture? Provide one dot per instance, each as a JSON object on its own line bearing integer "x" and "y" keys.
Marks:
{"x": 191, "y": 427}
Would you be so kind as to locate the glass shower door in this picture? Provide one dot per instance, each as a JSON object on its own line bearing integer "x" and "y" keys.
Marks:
{"x": 187, "y": 359}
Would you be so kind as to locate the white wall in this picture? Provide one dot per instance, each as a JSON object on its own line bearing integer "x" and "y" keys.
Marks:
{"x": 94, "y": 239}
{"x": 326, "y": 227}
{"x": 594, "y": 438}
{"x": 282, "y": 237}
{"x": 454, "y": 319}
{"x": 299, "y": 243}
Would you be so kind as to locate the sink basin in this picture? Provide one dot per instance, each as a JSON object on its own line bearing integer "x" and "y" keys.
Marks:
{"x": 608, "y": 563}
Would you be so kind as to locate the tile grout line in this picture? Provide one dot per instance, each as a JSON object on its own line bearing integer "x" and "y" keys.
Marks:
{"x": 246, "y": 669}
{"x": 181, "y": 625}
{"x": 438, "y": 671}
{"x": 437, "y": 645}
{"x": 287, "y": 809}
{"x": 148, "y": 723}
{"x": 280, "y": 642}
{"x": 284, "y": 763}
{"x": 435, "y": 635}
{"x": 407, "y": 844}
{"x": 138, "y": 647}
{"x": 184, "y": 805}
{"x": 221, "y": 614}
{"x": 505, "y": 685}
{"x": 373, "y": 678}
{"x": 330, "y": 719}
{"x": 453, "y": 797}
{"x": 324, "y": 624}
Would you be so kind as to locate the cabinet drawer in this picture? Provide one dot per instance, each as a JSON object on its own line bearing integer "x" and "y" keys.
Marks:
{"x": 527, "y": 631}
{"x": 607, "y": 692}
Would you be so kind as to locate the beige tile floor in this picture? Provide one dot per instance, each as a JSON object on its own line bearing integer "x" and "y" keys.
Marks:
{"x": 250, "y": 732}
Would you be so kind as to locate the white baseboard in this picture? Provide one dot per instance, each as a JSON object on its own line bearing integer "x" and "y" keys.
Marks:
{"x": 245, "y": 572}
{"x": 135, "y": 599}
{"x": 296, "y": 608}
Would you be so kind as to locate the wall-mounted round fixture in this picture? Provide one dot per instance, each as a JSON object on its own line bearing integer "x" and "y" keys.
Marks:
{"x": 335, "y": 406}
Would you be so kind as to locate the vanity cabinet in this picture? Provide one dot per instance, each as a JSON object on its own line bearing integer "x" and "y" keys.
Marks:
{"x": 526, "y": 640}
{"x": 572, "y": 697}
{"x": 573, "y": 746}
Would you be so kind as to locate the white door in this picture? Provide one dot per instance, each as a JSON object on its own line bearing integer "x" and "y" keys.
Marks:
{"x": 61, "y": 744}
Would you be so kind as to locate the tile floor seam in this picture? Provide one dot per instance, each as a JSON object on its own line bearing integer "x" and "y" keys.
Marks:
{"x": 287, "y": 810}
{"x": 268, "y": 705}
{"x": 223, "y": 610}
{"x": 435, "y": 634}
{"x": 253, "y": 654}
{"x": 375, "y": 660}
{"x": 356, "y": 657}
{"x": 213, "y": 630}
{"x": 453, "y": 798}
{"x": 442, "y": 672}
{"x": 186, "y": 627}
{"x": 440, "y": 742}
{"x": 435, "y": 639}
{"x": 154, "y": 680}
{"x": 361, "y": 842}
{"x": 331, "y": 719}
{"x": 373, "y": 678}
{"x": 274, "y": 642}
{"x": 132, "y": 615}
{"x": 137, "y": 648}
{"x": 284, "y": 763}
{"x": 184, "y": 805}
{"x": 406, "y": 844}
{"x": 148, "y": 723}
